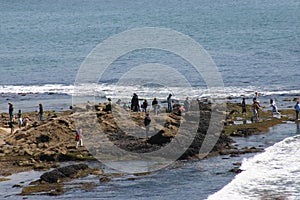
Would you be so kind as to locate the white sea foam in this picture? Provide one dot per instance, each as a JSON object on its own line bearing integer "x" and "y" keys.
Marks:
{"x": 273, "y": 174}
{"x": 147, "y": 91}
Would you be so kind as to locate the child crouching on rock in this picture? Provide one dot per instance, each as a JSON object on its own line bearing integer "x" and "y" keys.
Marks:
{"x": 79, "y": 138}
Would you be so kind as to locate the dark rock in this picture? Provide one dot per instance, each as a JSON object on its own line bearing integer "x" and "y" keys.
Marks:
{"x": 16, "y": 186}
{"x": 65, "y": 122}
{"x": 52, "y": 116}
{"x": 132, "y": 179}
{"x": 53, "y": 176}
{"x": 237, "y": 163}
{"x": 243, "y": 132}
{"x": 35, "y": 124}
{"x": 104, "y": 179}
{"x": 80, "y": 166}
{"x": 47, "y": 157}
{"x": 233, "y": 111}
{"x": 43, "y": 138}
{"x": 159, "y": 138}
{"x": 56, "y": 175}
{"x": 20, "y": 136}
{"x": 65, "y": 157}
{"x": 236, "y": 170}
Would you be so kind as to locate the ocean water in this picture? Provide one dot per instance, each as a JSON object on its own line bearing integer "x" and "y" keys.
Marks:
{"x": 254, "y": 44}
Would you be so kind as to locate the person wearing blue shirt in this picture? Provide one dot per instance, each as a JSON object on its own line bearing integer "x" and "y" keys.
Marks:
{"x": 297, "y": 108}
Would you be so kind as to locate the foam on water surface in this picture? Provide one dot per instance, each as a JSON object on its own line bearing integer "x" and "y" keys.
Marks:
{"x": 273, "y": 174}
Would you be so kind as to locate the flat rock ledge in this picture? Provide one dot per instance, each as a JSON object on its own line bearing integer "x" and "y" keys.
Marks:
{"x": 53, "y": 182}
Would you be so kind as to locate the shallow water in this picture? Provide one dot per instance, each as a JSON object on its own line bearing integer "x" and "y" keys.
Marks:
{"x": 190, "y": 179}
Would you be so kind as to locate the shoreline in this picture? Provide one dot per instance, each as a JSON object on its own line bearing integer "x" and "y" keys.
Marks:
{"x": 24, "y": 160}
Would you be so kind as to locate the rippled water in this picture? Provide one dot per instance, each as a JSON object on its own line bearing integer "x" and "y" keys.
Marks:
{"x": 253, "y": 43}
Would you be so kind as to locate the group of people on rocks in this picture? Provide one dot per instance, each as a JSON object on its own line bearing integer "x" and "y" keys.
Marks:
{"x": 13, "y": 118}
{"x": 136, "y": 107}
{"x": 144, "y": 107}
{"x": 24, "y": 121}
{"x": 257, "y": 107}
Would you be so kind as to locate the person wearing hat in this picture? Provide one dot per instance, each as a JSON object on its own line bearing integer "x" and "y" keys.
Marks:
{"x": 169, "y": 101}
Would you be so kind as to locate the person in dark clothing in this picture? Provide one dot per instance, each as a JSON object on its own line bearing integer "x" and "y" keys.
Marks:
{"x": 108, "y": 107}
{"x": 10, "y": 111}
{"x": 135, "y": 103}
{"x": 145, "y": 105}
{"x": 244, "y": 110}
{"x": 41, "y": 112}
{"x": 155, "y": 106}
{"x": 20, "y": 120}
{"x": 169, "y": 101}
{"x": 147, "y": 121}
{"x": 11, "y": 126}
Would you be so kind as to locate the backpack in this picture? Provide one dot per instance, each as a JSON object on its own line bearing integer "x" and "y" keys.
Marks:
{"x": 76, "y": 137}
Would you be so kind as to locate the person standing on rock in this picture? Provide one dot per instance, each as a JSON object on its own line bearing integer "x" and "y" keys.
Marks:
{"x": 11, "y": 126}
{"x": 147, "y": 121}
{"x": 256, "y": 108}
{"x": 255, "y": 98}
{"x": 135, "y": 103}
{"x": 274, "y": 107}
{"x": 79, "y": 138}
{"x": 244, "y": 110}
{"x": 169, "y": 101}
{"x": 41, "y": 112}
{"x": 155, "y": 106}
{"x": 20, "y": 120}
{"x": 10, "y": 111}
{"x": 108, "y": 107}
{"x": 145, "y": 105}
{"x": 297, "y": 109}
{"x": 187, "y": 104}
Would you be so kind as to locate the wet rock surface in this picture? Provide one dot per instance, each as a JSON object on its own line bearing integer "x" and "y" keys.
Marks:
{"x": 56, "y": 175}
